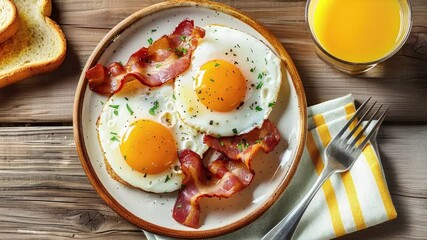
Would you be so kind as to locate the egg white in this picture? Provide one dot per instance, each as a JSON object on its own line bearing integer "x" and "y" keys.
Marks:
{"x": 132, "y": 103}
{"x": 257, "y": 63}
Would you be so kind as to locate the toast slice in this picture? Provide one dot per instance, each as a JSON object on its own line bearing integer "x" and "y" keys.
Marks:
{"x": 38, "y": 46}
{"x": 8, "y": 19}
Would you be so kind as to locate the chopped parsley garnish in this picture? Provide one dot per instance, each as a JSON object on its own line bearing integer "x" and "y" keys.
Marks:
{"x": 211, "y": 80}
{"x": 266, "y": 62}
{"x": 259, "y": 85}
{"x": 234, "y": 131}
{"x": 218, "y": 135}
{"x": 243, "y": 145}
{"x": 127, "y": 99}
{"x": 114, "y": 138}
{"x": 271, "y": 104}
{"x": 258, "y": 108}
{"x": 113, "y": 133}
{"x": 115, "y": 107}
{"x": 240, "y": 147}
{"x": 153, "y": 30}
{"x": 150, "y": 41}
{"x": 258, "y": 141}
{"x": 129, "y": 109}
{"x": 181, "y": 51}
{"x": 121, "y": 63}
{"x": 253, "y": 69}
{"x": 260, "y": 76}
{"x": 182, "y": 38}
{"x": 152, "y": 110}
{"x": 221, "y": 143}
{"x": 167, "y": 178}
{"x": 173, "y": 96}
{"x": 217, "y": 64}
{"x": 211, "y": 122}
{"x": 158, "y": 65}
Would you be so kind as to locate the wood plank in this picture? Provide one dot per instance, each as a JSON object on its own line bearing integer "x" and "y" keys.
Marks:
{"x": 400, "y": 81}
{"x": 403, "y": 150}
{"x": 45, "y": 194}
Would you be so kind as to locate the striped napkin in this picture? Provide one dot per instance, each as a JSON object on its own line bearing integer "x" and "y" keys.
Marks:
{"x": 346, "y": 203}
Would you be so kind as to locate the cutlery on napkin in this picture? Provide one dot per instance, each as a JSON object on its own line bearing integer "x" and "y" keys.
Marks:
{"x": 347, "y": 202}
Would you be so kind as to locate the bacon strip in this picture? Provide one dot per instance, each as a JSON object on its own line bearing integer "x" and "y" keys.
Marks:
{"x": 162, "y": 61}
{"x": 224, "y": 176}
{"x": 245, "y": 146}
{"x": 223, "y": 179}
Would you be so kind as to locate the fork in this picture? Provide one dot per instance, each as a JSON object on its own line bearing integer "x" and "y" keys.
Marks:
{"x": 340, "y": 155}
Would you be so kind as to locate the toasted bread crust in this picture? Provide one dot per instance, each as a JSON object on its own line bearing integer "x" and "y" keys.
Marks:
{"x": 12, "y": 26}
{"x": 46, "y": 8}
{"x": 38, "y": 68}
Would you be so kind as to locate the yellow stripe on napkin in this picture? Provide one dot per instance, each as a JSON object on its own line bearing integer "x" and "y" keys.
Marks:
{"x": 353, "y": 200}
{"x": 328, "y": 190}
{"x": 376, "y": 171}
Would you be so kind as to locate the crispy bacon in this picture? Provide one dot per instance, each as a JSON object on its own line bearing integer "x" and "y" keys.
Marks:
{"x": 245, "y": 146}
{"x": 162, "y": 61}
{"x": 223, "y": 179}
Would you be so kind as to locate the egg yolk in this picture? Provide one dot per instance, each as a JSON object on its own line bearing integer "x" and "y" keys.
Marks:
{"x": 220, "y": 86}
{"x": 148, "y": 147}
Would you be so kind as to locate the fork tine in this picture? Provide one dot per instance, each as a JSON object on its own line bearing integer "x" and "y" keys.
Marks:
{"x": 373, "y": 130}
{"x": 340, "y": 133}
{"x": 369, "y": 122}
{"x": 352, "y": 143}
{"x": 360, "y": 122}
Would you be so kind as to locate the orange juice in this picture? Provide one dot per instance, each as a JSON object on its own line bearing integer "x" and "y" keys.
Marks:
{"x": 357, "y": 31}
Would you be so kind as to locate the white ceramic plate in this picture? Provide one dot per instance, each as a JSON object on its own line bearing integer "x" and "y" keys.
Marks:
{"x": 153, "y": 212}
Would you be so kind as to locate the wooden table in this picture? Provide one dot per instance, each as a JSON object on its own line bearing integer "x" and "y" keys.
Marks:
{"x": 44, "y": 192}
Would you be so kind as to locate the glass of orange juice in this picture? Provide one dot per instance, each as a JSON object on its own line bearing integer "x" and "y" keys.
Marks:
{"x": 356, "y": 35}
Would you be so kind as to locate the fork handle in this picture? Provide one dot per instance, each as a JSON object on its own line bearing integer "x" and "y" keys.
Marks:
{"x": 286, "y": 227}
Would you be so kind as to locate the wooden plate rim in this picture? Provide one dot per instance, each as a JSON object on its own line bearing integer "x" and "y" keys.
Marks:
{"x": 78, "y": 129}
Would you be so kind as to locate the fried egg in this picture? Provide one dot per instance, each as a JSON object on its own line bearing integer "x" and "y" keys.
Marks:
{"x": 231, "y": 85}
{"x": 140, "y": 133}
